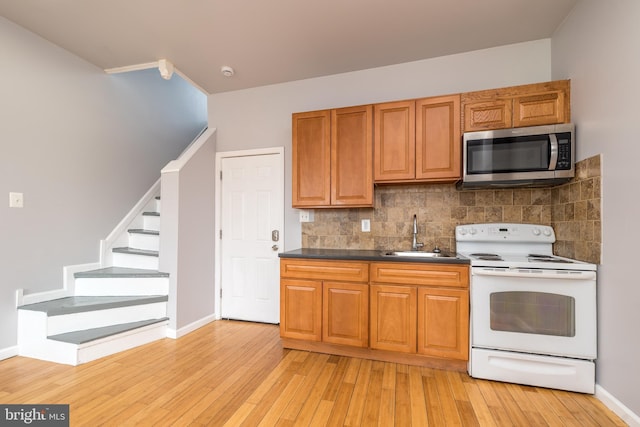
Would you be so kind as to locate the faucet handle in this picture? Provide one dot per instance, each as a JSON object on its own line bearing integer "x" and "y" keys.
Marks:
{"x": 419, "y": 245}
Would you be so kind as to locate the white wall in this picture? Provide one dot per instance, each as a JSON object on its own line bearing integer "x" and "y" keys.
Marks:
{"x": 598, "y": 48}
{"x": 187, "y": 246}
{"x": 83, "y": 147}
{"x": 261, "y": 117}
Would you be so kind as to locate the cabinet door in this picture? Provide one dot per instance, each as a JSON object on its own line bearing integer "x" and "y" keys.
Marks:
{"x": 301, "y": 309}
{"x": 311, "y": 154}
{"x": 438, "y": 143}
{"x": 352, "y": 156}
{"x": 539, "y": 109}
{"x": 345, "y": 313}
{"x": 394, "y": 141}
{"x": 494, "y": 114}
{"x": 443, "y": 323}
{"x": 393, "y": 318}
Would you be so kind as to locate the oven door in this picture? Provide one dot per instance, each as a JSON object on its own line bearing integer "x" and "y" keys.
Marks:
{"x": 549, "y": 312}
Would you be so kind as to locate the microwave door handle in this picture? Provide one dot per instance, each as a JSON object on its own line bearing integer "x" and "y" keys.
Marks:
{"x": 553, "y": 159}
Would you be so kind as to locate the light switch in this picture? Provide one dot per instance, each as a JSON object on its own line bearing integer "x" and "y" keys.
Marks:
{"x": 16, "y": 200}
{"x": 366, "y": 225}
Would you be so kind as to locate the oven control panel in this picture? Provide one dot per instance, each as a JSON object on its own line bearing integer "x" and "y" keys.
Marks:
{"x": 501, "y": 232}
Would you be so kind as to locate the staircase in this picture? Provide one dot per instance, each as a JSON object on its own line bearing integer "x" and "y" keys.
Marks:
{"x": 113, "y": 308}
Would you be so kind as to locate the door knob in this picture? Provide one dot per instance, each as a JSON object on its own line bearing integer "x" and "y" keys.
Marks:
{"x": 274, "y": 247}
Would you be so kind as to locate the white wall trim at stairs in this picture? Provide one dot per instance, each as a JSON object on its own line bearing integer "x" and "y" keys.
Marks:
{"x": 175, "y": 334}
{"x": 8, "y": 352}
{"x": 119, "y": 234}
{"x": 66, "y": 291}
{"x": 627, "y": 415}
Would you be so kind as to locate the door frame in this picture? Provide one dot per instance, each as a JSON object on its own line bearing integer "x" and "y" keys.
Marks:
{"x": 218, "y": 210}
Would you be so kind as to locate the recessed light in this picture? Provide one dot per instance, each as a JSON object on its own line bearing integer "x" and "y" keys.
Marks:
{"x": 227, "y": 71}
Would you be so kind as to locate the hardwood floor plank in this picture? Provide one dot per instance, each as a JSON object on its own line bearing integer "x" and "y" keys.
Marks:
{"x": 356, "y": 406}
{"x": 372, "y": 402}
{"x": 341, "y": 404}
{"x": 314, "y": 399}
{"x": 417, "y": 397}
{"x": 403, "y": 399}
{"x": 337, "y": 376}
{"x": 237, "y": 373}
{"x": 480, "y": 408}
{"x": 321, "y": 415}
{"x": 311, "y": 376}
{"x": 447, "y": 401}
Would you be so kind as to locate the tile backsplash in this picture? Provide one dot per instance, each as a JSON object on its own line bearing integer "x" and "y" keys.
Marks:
{"x": 572, "y": 209}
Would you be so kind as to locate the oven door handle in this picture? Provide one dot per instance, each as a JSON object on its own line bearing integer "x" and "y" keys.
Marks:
{"x": 534, "y": 273}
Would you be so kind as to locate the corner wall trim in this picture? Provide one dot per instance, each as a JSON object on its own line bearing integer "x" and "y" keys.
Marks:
{"x": 627, "y": 415}
{"x": 8, "y": 352}
{"x": 175, "y": 334}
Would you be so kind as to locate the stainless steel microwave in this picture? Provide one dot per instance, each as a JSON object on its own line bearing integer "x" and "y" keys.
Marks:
{"x": 531, "y": 156}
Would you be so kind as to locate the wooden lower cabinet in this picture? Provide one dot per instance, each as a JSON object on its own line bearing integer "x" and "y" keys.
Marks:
{"x": 345, "y": 313}
{"x": 393, "y": 318}
{"x": 443, "y": 323}
{"x": 413, "y": 313}
{"x": 301, "y": 309}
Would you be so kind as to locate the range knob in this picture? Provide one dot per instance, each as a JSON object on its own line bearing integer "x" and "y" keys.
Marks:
{"x": 462, "y": 231}
{"x": 536, "y": 231}
{"x": 473, "y": 231}
{"x": 547, "y": 232}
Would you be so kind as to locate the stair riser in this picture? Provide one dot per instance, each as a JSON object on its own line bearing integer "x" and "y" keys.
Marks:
{"x": 135, "y": 261}
{"x": 149, "y": 242}
{"x": 151, "y": 222}
{"x": 99, "y": 318}
{"x": 158, "y": 206}
{"x": 121, "y": 286}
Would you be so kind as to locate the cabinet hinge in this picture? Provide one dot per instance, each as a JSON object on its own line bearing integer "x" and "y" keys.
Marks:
{"x": 221, "y": 233}
{"x": 220, "y": 175}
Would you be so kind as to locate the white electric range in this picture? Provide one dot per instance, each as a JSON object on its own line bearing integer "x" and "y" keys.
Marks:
{"x": 533, "y": 314}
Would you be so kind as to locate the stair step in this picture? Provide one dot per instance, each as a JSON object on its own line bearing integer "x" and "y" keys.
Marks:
{"x": 119, "y": 272}
{"x": 134, "y": 251}
{"x": 143, "y": 231}
{"x": 82, "y": 337}
{"x": 81, "y": 304}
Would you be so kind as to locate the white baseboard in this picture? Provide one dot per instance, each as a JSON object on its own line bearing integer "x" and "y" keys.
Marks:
{"x": 175, "y": 334}
{"x": 8, "y": 352}
{"x": 627, "y": 415}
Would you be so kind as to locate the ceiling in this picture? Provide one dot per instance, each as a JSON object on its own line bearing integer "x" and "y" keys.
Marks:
{"x": 274, "y": 41}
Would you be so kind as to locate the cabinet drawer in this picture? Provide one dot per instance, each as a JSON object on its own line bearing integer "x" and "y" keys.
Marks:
{"x": 421, "y": 274}
{"x": 345, "y": 271}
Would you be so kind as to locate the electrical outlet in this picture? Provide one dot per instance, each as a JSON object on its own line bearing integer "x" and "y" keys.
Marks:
{"x": 306, "y": 215}
{"x": 366, "y": 225}
{"x": 16, "y": 200}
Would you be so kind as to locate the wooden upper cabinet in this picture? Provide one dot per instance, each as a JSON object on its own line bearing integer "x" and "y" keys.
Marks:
{"x": 539, "y": 109}
{"x": 488, "y": 115}
{"x": 311, "y": 148}
{"x": 333, "y": 158}
{"x": 438, "y": 144}
{"x": 394, "y": 141}
{"x": 352, "y": 156}
{"x": 517, "y": 106}
{"x": 417, "y": 140}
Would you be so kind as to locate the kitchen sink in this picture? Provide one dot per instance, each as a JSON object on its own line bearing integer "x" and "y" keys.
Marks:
{"x": 418, "y": 254}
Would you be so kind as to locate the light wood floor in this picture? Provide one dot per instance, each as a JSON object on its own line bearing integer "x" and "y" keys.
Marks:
{"x": 237, "y": 374}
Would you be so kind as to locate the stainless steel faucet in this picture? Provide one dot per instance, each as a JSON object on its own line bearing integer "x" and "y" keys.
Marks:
{"x": 415, "y": 245}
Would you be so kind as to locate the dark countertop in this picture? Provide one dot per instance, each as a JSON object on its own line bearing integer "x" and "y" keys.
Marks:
{"x": 366, "y": 255}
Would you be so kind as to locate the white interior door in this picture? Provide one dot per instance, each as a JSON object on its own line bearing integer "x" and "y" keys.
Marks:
{"x": 252, "y": 219}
